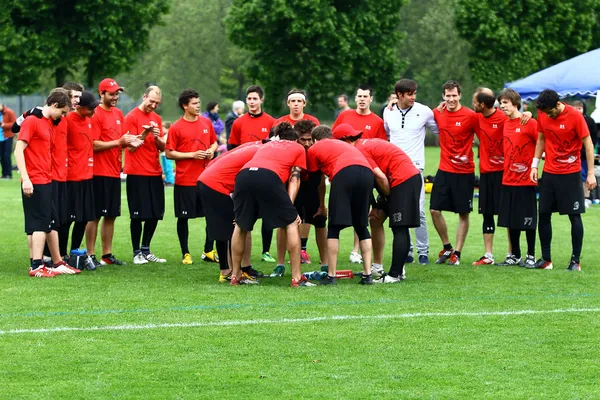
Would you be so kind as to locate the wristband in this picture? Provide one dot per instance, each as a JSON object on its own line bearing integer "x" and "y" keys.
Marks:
{"x": 535, "y": 162}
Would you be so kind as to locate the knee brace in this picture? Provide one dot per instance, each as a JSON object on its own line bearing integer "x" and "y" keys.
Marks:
{"x": 489, "y": 227}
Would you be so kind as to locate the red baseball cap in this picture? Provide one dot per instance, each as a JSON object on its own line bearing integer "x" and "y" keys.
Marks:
{"x": 345, "y": 130}
{"x": 109, "y": 85}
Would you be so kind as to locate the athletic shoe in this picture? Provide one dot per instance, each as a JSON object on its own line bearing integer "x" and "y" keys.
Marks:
{"x": 266, "y": 257}
{"x": 95, "y": 261}
{"x": 254, "y": 273}
{"x": 152, "y": 258}
{"x": 444, "y": 256}
{"x": 224, "y": 278}
{"x": 423, "y": 259}
{"x": 410, "y": 258}
{"x": 485, "y": 260}
{"x": 529, "y": 260}
{"x": 278, "y": 271}
{"x": 355, "y": 258}
{"x": 377, "y": 271}
{"x": 541, "y": 264}
{"x": 304, "y": 257}
{"x": 187, "y": 259}
{"x": 574, "y": 266}
{"x": 366, "y": 280}
{"x": 324, "y": 268}
{"x": 385, "y": 278}
{"x": 245, "y": 279}
{"x": 454, "y": 259}
{"x": 111, "y": 260}
{"x": 303, "y": 281}
{"x": 42, "y": 272}
{"x": 64, "y": 268}
{"x": 139, "y": 259}
{"x": 211, "y": 256}
{"x": 329, "y": 280}
{"x": 509, "y": 261}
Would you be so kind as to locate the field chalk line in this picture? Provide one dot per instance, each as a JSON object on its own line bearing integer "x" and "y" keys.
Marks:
{"x": 297, "y": 320}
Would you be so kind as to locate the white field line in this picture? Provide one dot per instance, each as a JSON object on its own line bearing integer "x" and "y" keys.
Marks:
{"x": 297, "y": 320}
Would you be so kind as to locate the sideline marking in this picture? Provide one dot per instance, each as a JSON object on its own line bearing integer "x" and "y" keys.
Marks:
{"x": 297, "y": 320}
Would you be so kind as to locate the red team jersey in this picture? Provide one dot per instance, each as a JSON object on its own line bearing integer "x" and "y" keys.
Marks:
{"x": 248, "y": 128}
{"x": 37, "y": 133}
{"x": 221, "y": 172}
{"x": 108, "y": 126}
{"x": 279, "y": 157}
{"x": 289, "y": 120}
{"x": 490, "y": 133}
{"x": 371, "y": 125}
{"x": 332, "y": 155}
{"x": 186, "y": 136}
{"x": 563, "y": 140}
{"x": 389, "y": 158}
{"x": 519, "y": 149}
{"x": 456, "y": 140}
{"x": 60, "y": 158}
{"x": 144, "y": 160}
{"x": 80, "y": 136}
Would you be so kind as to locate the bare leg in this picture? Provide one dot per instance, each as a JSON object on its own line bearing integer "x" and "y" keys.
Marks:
{"x": 247, "y": 250}
{"x": 440, "y": 225}
{"x": 52, "y": 239}
{"x": 293, "y": 247}
{"x": 91, "y": 232}
{"x": 333, "y": 247}
{"x": 321, "y": 239}
{"x": 365, "y": 249}
{"x": 377, "y": 219}
{"x": 356, "y": 245}
{"x": 38, "y": 240}
{"x": 238, "y": 244}
{"x": 488, "y": 241}
{"x": 29, "y": 245}
{"x": 281, "y": 245}
{"x": 463, "y": 229}
{"x": 107, "y": 232}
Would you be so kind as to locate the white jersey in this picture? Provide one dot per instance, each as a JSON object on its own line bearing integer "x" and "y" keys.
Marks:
{"x": 406, "y": 129}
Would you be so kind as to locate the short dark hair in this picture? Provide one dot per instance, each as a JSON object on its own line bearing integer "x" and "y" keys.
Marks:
{"x": 60, "y": 98}
{"x": 73, "y": 86}
{"x": 211, "y": 105}
{"x": 405, "y": 86}
{"x": 547, "y": 100}
{"x": 449, "y": 85}
{"x": 186, "y": 96}
{"x": 167, "y": 124}
{"x": 304, "y": 126}
{"x": 255, "y": 89}
{"x": 343, "y": 96}
{"x": 578, "y": 103}
{"x": 364, "y": 86}
{"x": 322, "y": 132}
{"x": 512, "y": 96}
{"x": 482, "y": 96}
{"x": 285, "y": 131}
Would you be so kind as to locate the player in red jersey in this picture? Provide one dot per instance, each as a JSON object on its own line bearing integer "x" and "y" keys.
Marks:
{"x": 145, "y": 189}
{"x": 518, "y": 203}
{"x": 192, "y": 143}
{"x": 455, "y": 180}
{"x": 33, "y": 156}
{"x": 260, "y": 192}
{"x": 109, "y": 140}
{"x": 562, "y": 131}
{"x": 250, "y": 127}
{"x": 351, "y": 189}
{"x": 364, "y": 120}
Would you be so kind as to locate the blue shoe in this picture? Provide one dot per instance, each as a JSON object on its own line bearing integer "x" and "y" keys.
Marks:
{"x": 423, "y": 259}
{"x": 409, "y": 258}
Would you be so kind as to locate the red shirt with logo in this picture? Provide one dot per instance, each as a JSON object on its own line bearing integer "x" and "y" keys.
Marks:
{"x": 108, "y": 126}
{"x": 80, "y": 147}
{"x": 187, "y": 137}
{"x": 371, "y": 125}
{"x": 289, "y": 120}
{"x": 37, "y": 133}
{"x": 456, "y": 140}
{"x": 519, "y": 148}
{"x": 563, "y": 140}
{"x": 60, "y": 158}
{"x": 389, "y": 158}
{"x": 249, "y": 128}
{"x": 279, "y": 157}
{"x": 221, "y": 172}
{"x": 144, "y": 160}
{"x": 490, "y": 134}
{"x": 332, "y": 155}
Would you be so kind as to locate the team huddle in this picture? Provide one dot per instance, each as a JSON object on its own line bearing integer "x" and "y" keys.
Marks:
{"x": 69, "y": 154}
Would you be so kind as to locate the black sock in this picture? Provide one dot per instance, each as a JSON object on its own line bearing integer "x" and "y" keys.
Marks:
{"x": 530, "y": 235}
{"x": 545, "y": 230}
{"x": 400, "y": 248}
{"x": 31, "y": 263}
{"x": 77, "y": 234}
{"x": 267, "y": 237}
{"x": 107, "y": 255}
{"x": 515, "y": 241}
{"x": 247, "y": 269}
{"x": 222, "y": 252}
{"x": 135, "y": 227}
{"x": 209, "y": 244}
{"x": 457, "y": 253}
{"x": 576, "y": 236}
{"x": 149, "y": 229}
{"x": 303, "y": 243}
{"x": 145, "y": 250}
{"x": 35, "y": 264}
{"x": 448, "y": 246}
{"x": 183, "y": 233}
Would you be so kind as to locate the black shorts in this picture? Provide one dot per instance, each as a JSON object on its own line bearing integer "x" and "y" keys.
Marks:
{"x": 107, "y": 192}
{"x": 259, "y": 193}
{"x": 518, "y": 207}
{"x": 81, "y": 201}
{"x": 349, "y": 196}
{"x": 218, "y": 208}
{"x": 307, "y": 202}
{"x": 38, "y": 209}
{"x": 452, "y": 192}
{"x": 490, "y": 185}
{"x": 60, "y": 204}
{"x": 402, "y": 205}
{"x": 187, "y": 202}
{"x": 562, "y": 193}
{"x": 145, "y": 197}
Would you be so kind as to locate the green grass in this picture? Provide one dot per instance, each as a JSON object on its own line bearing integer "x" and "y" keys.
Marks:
{"x": 412, "y": 340}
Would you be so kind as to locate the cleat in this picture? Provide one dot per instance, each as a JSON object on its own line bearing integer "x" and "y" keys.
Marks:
{"x": 329, "y": 280}
{"x": 303, "y": 281}
{"x": 96, "y": 263}
{"x": 111, "y": 260}
{"x": 65, "y": 269}
{"x": 377, "y": 271}
{"x": 254, "y": 273}
{"x": 444, "y": 256}
{"x": 139, "y": 259}
{"x": 304, "y": 257}
{"x": 266, "y": 257}
{"x": 540, "y": 264}
{"x": 224, "y": 278}
{"x": 211, "y": 256}
{"x": 248, "y": 279}
{"x": 187, "y": 259}
{"x": 42, "y": 272}
{"x": 409, "y": 258}
{"x": 423, "y": 259}
{"x": 278, "y": 271}
{"x": 152, "y": 258}
{"x": 511, "y": 261}
{"x": 485, "y": 260}
{"x": 529, "y": 260}
{"x": 454, "y": 259}
{"x": 385, "y": 278}
{"x": 574, "y": 266}
{"x": 366, "y": 279}
{"x": 355, "y": 258}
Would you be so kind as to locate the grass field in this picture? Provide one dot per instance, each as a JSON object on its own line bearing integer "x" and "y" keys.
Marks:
{"x": 171, "y": 331}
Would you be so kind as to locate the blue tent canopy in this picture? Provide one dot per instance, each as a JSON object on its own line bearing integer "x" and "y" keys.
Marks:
{"x": 578, "y": 76}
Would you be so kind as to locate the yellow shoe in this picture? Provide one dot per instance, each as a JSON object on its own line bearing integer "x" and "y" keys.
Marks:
{"x": 187, "y": 259}
{"x": 224, "y": 278}
{"x": 211, "y": 256}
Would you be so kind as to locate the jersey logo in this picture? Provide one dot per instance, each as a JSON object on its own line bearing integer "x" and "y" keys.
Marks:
{"x": 118, "y": 122}
{"x": 495, "y": 126}
{"x": 264, "y": 130}
{"x": 90, "y": 126}
{"x": 397, "y": 217}
{"x": 562, "y": 126}
{"x": 458, "y": 124}
{"x": 205, "y": 130}
{"x": 576, "y": 206}
{"x": 528, "y": 221}
{"x": 518, "y": 130}
{"x": 368, "y": 127}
